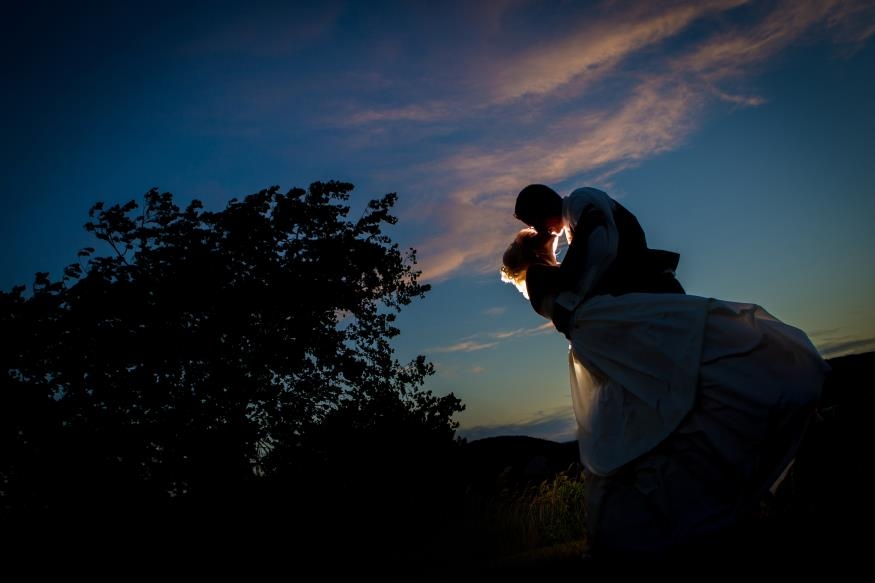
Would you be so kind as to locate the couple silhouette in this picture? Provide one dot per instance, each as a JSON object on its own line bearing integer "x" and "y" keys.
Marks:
{"x": 689, "y": 409}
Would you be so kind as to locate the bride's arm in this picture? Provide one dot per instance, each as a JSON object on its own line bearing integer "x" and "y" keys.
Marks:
{"x": 547, "y": 306}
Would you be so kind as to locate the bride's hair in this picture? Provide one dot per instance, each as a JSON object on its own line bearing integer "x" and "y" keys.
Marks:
{"x": 528, "y": 248}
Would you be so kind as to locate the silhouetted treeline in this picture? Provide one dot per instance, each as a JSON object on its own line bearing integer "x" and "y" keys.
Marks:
{"x": 217, "y": 367}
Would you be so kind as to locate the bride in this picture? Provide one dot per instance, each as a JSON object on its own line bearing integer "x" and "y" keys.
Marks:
{"x": 689, "y": 409}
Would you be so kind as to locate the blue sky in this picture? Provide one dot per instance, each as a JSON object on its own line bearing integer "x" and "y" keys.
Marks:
{"x": 738, "y": 132}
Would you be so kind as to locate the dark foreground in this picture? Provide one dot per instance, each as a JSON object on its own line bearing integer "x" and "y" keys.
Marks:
{"x": 816, "y": 524}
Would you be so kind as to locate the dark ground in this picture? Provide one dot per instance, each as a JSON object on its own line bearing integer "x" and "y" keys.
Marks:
{"x": 817, "y": 524}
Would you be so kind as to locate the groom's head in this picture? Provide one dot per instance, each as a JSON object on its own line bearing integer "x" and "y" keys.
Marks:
{"x": 540, "y": 207}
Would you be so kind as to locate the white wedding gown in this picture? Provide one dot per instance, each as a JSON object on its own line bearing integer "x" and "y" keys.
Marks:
{"x": 697, "y": 402}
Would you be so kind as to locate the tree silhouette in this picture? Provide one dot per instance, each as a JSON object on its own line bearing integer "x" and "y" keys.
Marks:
{"x": 212, "y": 352}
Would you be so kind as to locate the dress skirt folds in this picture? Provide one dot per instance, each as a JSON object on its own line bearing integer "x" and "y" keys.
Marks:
{"x": 688, "y": 410}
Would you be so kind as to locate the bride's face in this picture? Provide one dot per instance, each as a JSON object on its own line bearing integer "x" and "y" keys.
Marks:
{"x": 545, "y": 246}
{"x": 555, "y": 226}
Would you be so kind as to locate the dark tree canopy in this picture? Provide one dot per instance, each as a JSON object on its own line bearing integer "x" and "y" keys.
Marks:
{"x": 210, "y": 350}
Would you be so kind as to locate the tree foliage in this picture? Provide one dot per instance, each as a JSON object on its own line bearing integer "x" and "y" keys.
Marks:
{"x": 210, "y": 350}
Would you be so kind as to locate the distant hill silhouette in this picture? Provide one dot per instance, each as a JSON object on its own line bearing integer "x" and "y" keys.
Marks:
{"x": 833, "y": 440}
{"x": 811, "y": 522}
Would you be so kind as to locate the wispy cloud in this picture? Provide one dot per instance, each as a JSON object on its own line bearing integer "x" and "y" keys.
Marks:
{"x": 832, "y": 343}
{"x": 556, "y": 424}
{"x": 464, "y": 346}
{"x": 423, "y": 113}
{"x": 852, "y": 23}
{"x": 652, "y": 109}
{"x": 497, "y": 311}
{"x": 597, "y": 47}
{"x": 470, "y": 344}
{"x": 741, "y": 51}
{"x": 524, "y": 332}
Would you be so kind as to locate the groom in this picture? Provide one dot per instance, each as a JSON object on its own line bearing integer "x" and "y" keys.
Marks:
{"x": 607, "y": 250}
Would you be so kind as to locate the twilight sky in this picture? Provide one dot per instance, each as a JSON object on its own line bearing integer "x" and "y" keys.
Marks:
{"x": 738, "y": 132}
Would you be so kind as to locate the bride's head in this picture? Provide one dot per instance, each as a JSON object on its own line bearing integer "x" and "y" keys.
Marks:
{"x": 528, "y": 248}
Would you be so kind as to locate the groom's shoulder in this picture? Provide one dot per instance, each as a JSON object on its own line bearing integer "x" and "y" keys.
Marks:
{"x": 588, "y": 192}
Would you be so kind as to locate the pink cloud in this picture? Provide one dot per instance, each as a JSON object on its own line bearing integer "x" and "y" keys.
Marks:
{"x": 464, "y": 346}
{"x": 597, "y": 48}
{"x": 655, "y": 118}
{"x": 655, "y": 114}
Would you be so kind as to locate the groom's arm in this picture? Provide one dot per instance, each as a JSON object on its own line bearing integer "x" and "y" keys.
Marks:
{"x": 592, "y": 249}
